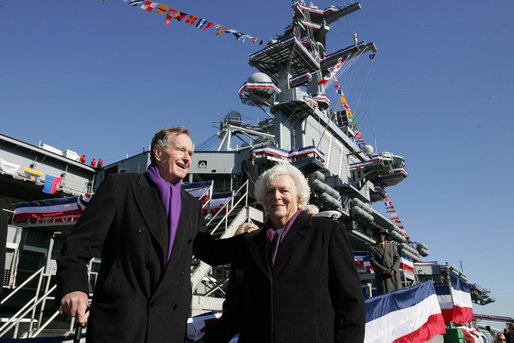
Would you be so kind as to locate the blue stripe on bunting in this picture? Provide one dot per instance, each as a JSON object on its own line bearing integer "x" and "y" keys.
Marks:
{"x": 49, "y": 202}
{"x": 381, "y": 305}
{"x": 442, "y": 289}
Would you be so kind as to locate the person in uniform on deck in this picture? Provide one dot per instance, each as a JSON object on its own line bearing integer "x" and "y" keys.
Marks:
{"x": 385, "y": 260}
{"x": 147, "y": 229}
{"x": 300, "y": 283}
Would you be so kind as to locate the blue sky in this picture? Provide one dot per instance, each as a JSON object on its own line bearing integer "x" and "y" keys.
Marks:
{"x": 101, "y": 77}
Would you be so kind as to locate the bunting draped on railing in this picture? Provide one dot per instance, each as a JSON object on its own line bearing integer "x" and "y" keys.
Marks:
{"x": 408, "y": 315}
{"x": 332, "y": 73}
{"x": 455, "y": 300}
{"x": 362, "y": 261}
{"x": 203, "y": 191}
{"x": 50, "y": 211}
{"x": 200, "y": 23}
{"x": 393, "y": 215}
{"x": 407, "y": 265}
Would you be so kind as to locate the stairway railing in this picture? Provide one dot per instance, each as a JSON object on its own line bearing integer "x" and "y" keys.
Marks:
{"x": 238, "y": 202}
{"x": 32, "y": 305}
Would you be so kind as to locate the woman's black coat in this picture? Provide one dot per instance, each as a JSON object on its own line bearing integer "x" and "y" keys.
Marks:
{"x": 312, "y": 293}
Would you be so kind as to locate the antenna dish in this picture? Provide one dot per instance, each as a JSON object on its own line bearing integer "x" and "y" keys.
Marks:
{"x": 259, "y": 78}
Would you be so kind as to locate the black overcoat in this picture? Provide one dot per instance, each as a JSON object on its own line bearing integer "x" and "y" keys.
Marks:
{"x": 138, "y": 297}
{"x": 311, "y": 294}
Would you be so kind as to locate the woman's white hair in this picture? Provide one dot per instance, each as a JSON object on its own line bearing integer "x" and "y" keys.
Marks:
{"x": 300, "y": 182}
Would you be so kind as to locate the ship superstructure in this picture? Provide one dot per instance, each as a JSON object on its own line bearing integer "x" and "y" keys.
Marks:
{"x": 301, "y": 127}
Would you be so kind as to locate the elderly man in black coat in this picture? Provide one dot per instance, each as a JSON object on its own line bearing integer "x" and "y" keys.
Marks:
{"x": 146, "y": 228}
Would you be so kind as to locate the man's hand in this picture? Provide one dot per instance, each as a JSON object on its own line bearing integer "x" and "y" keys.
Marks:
{"x": 75, "y": 305}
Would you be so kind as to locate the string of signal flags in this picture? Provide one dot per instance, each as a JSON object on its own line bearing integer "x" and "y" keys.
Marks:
{"x": 200, "y": 23}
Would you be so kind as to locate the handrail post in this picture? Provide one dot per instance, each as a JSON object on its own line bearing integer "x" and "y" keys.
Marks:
{"x": 246, "y": 192}
{"x": 16, "y": 328}
{"x": 43, "y": 303}
{"x": 43, "y": 326}
{"x": 33, "y": 314}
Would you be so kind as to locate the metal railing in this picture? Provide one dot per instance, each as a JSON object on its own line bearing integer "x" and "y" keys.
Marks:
{"x": 34, "y": 307}
{"x": 230, "y": 221}
{"x": 229, "y": 207}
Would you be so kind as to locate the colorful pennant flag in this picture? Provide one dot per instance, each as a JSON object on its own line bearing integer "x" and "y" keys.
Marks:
{"x": 180, "y": 15}
{"x": 202, "y": 23}
{"x": 162, "y": 9}
{"x": 51, "y": 183}
{"x": 171, "y": 13}
{"x": 221, "y": 31}
{"x": 358, "y": 136}
{"x": 149, "y": 5}
{"x": 209, "y": 24}
{"x": 32, "y": 175}
{"x": 393, "y": 215}
{"x": 134, "y": 2}
{"x": 191, "y": 19}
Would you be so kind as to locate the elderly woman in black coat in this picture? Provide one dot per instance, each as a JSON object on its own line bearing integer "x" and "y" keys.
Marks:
{"x": 300, "y": 283}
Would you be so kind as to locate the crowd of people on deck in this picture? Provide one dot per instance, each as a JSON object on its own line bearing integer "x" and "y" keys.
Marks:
{"x": 94, "y": 162}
